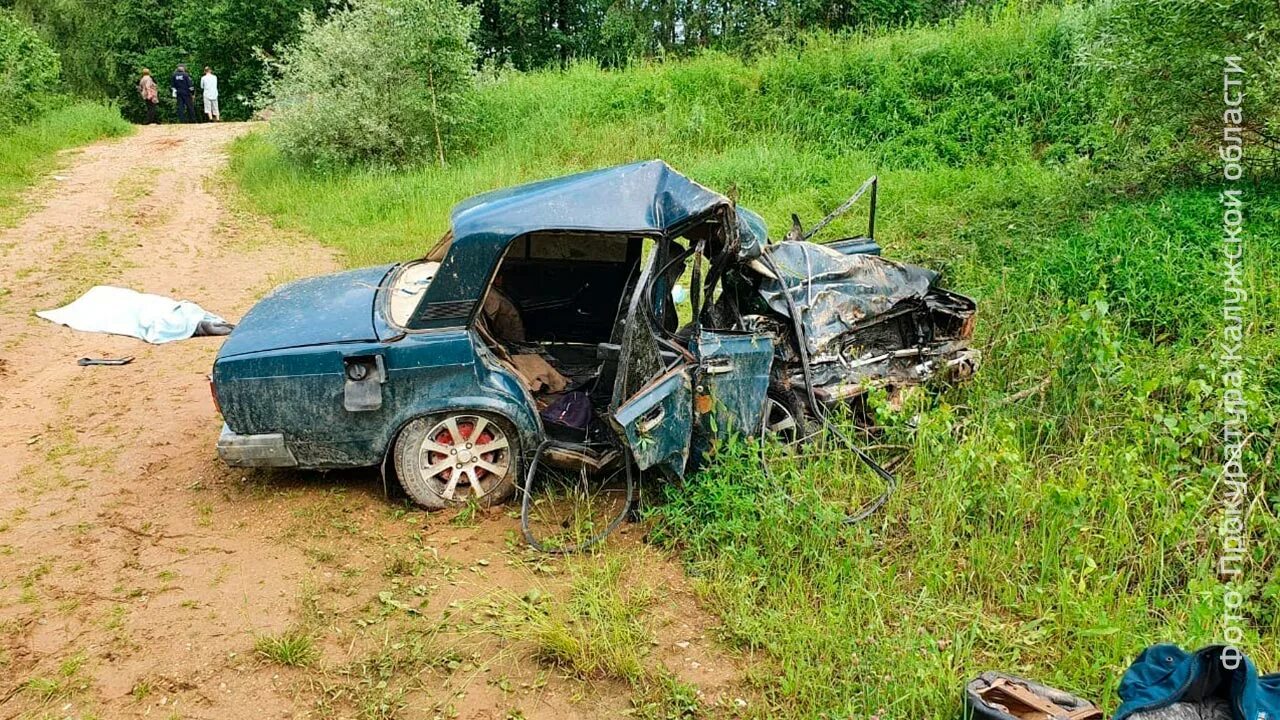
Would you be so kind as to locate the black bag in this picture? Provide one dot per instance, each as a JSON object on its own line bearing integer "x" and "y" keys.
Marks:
{"x": 571, "y": 410}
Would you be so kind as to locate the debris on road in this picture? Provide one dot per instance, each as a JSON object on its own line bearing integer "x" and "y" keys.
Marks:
{"x": 86, "y": 361}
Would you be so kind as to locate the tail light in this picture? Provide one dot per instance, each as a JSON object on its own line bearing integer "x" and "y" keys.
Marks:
{"x": 213, "y": 391}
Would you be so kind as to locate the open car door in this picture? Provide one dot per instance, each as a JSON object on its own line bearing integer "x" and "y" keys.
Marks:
{"x": 653, "y": 390}
{"x": 670, "y": 398}
{"x": 657, "y": 423}
{"x": 733, "y": 382}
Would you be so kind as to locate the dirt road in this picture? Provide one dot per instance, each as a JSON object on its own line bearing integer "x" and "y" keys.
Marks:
{"x": 140, "y": 577}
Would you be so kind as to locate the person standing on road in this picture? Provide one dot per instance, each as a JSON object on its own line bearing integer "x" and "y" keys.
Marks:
{"x": 183, "y": 88}
{"x": 209, "y": 90}
{"x": 150, "y": 95}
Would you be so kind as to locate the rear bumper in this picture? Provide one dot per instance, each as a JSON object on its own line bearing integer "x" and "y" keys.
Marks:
{"x": 254, "y": 450}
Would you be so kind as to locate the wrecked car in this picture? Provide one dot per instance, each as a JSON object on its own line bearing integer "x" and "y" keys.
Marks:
{"x": 546, "y": 319}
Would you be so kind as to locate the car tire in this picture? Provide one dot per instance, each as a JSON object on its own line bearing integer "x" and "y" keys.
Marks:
{"x": 451, "y": 459}
{"x": 787, "y": 417}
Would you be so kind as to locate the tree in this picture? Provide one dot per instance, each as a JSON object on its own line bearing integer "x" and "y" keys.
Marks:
{"x": 379, "y": 81}
{"x": 1159, "y": 67}
{"x": 104, "y": 44}
{"x": 233, "y": 37}
{"x": 29, "y": 71}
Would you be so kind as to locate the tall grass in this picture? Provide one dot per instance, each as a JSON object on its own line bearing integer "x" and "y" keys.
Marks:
{"x": 1057, "y": 513}
{"x": 795, "y": 131}
{"x": 29, "y": 151}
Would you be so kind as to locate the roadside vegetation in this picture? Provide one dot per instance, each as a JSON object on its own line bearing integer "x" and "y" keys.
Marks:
{"x": 1055, "y": 515}
{"x": 327, "y": 111}
{"x": 29, "y": 151}
{"x": 105, "y": 43}
{"x": 36, "y": 118}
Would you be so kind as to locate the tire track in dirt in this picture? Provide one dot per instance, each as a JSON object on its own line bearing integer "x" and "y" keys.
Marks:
{"x": 136, "y": 570}
{"x": 104, "y": 530}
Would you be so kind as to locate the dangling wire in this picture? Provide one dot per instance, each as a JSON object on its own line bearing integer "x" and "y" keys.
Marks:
{"x": 630, "y": 470}
{"x": 891, "y": 483}
{"x": 526, "y": 504}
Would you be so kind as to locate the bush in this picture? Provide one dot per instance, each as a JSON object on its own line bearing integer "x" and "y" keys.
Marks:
{"x": 382, "y": 81}
{"x": 29, "y": 71}
{"x": 1158, "y": 68}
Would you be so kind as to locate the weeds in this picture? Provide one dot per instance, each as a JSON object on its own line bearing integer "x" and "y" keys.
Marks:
{"x": 65, "y": 684}
{"x": 664, "y": 697}
{"x": 291, "y": 648}
{"x": 376, "y": 685}
{"x": 600, "y": 633}
{"x": 142, "y": 690}
{"x": 28, "y": 152}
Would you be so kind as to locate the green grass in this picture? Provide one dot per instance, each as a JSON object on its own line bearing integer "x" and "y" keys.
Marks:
{"x": 68, "y": 682}
{"x": 1054, "y": 535}
{"x": 292, "y": 648}
{"x": 601, "y": 631}
{"x": 29, "y": 152}
{"x": 794, "y": 132}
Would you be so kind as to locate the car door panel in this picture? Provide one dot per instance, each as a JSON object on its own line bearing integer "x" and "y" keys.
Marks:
{"x": 656, "y": 422}
{"x": 733, "y": 382}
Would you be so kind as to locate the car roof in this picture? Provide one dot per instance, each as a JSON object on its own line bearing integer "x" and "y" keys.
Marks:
{"x": 645, "y": 198}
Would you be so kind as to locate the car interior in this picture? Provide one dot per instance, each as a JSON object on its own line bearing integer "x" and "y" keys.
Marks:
{"x": 571, "y": 294}
{"x": 555, "y": 314}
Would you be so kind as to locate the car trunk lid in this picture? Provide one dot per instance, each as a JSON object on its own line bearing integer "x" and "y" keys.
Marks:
{"x": 333, "y": 308}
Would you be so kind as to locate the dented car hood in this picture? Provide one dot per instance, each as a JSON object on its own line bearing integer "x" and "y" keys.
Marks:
{"x": 320, "y": 310}
{"x": 835, "y": 292}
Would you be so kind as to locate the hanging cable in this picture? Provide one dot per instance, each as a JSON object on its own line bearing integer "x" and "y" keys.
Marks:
{"x": 526, "y": 504}
{"x": 629, "y": 469}
{"x": 891, "y": 483}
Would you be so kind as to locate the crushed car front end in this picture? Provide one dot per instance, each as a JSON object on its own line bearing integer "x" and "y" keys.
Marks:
{"x": 849, "y": 322}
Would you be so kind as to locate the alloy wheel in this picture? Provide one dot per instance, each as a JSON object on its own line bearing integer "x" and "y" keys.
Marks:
{"x": 464, "y": 457}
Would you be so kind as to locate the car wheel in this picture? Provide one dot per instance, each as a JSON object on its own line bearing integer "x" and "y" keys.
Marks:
{"x": 454, "y": 458}
{"x": 785, "y": 418}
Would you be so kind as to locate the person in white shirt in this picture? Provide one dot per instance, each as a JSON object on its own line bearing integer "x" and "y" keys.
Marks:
{"x": 209, "y": 89}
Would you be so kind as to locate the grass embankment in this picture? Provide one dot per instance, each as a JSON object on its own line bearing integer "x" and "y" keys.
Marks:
{"x": 1055, "y": 515}
{"x": 30, "y": 150}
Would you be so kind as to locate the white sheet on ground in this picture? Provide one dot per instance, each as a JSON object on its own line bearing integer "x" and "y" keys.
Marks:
{"x": 121, "y": 311}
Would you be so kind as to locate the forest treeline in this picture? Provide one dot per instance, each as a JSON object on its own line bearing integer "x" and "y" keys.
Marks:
{"x": 103, "y": 43}
{"x": 403, "y": 81}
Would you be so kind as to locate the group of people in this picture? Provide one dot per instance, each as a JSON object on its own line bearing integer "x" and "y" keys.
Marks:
{"x": 183, "y": 89}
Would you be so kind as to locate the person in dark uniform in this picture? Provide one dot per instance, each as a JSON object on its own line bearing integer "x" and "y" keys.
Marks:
{"x": 184, "y": 89}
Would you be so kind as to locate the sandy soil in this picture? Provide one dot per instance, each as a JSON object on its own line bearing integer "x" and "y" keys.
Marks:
{"x": 137, "y": 573}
